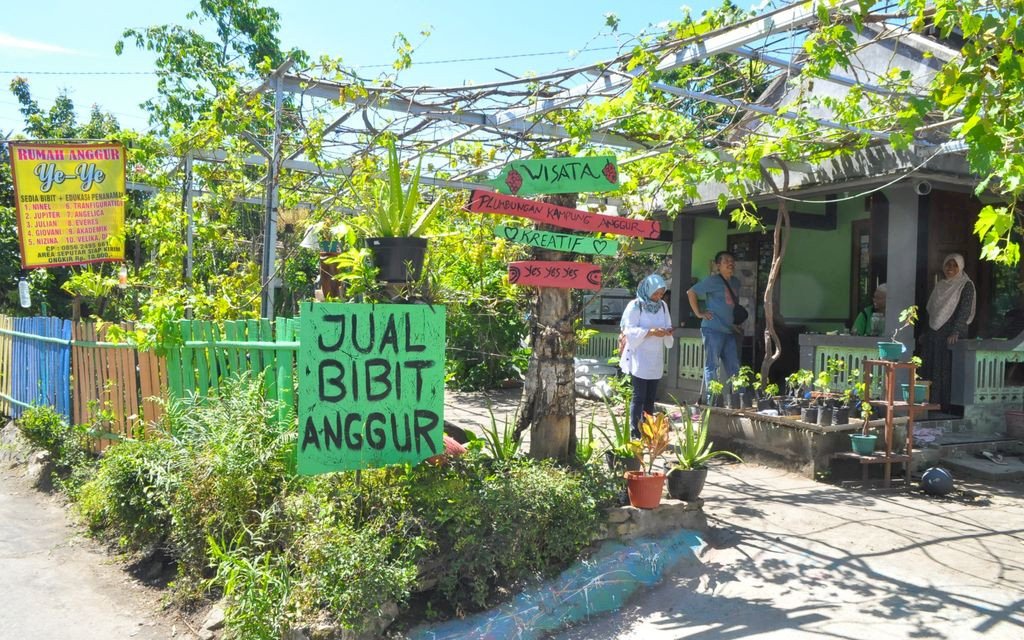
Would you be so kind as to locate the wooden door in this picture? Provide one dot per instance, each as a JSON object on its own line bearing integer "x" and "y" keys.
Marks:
{"x": 950, "y": 228}
{"x": 861, "y": 285}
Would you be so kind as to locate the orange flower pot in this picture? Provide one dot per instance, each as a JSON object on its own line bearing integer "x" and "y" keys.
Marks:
{"x": 645, "y": 489}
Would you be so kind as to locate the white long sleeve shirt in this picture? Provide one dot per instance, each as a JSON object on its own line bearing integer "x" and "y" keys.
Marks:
{"x": 645, "y": 354}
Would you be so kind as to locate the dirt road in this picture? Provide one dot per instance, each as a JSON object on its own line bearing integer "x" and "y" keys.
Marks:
{"x": 57, "y": 585}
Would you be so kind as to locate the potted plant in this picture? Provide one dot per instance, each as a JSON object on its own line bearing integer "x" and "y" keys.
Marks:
{"x": 850, "y": 395}
{"x": 645, "y": 486}
{"x": 893, "y": 349}
{"x": 745, "y": 383}
{"x": 863, "y": 443}
{"x": 623, "y": 449}
{"x": 764, "y": 394}
{"x": 823, "y": 383}
{"x": 354, "y": 276}
{"x": 922, "y": 388}
{"x": 715, "y": 389}
{"x": 738, "y": 398}
{"x": 686, "y": 478}
{"x": 393, "y": 223}
{"x": 796, "y": 383}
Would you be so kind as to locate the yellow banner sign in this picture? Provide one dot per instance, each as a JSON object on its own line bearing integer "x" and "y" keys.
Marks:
{"x": 70, "y": 201}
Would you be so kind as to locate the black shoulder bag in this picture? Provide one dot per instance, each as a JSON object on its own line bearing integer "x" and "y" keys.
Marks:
{"x": 739, "y": 313}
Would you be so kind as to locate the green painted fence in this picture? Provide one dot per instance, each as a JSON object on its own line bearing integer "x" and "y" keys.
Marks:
{"x": 208, "y": 353}
{"x": 202, "y": 356}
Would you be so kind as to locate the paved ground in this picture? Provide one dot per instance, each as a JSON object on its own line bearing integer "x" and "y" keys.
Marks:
{"x": 472, "y": 410}
{"x": 787, "y": 558}
{"x": 792, "y": 558}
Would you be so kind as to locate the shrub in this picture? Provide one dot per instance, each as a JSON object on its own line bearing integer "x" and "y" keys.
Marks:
{"x": 290, "y": 552}
{"x": 70, "y": 447}
{"x": 350, "y": 572}
{"x": 236, "y": 458}
{"x": 496, "y": 528}
{"x": 257, "y": 586}
{"x": 131, "y": 493}
{"x": 44, "y": 428}
{"x": 77, "y": 461}
{"x": 326, "y": 553}
{"x": 225, "y": 465}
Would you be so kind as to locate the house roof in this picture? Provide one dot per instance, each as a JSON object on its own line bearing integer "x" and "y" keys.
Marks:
{"x": 864, "y": 170}
{"x": 883, "y": 50}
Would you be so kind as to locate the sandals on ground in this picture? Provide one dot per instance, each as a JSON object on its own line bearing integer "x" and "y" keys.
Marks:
{"x": 994, "y": 458}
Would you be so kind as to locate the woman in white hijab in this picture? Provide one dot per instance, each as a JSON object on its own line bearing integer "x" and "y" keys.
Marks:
{"x": 950, "y": 309}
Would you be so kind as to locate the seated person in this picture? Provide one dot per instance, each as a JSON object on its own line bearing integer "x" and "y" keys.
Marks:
{"x": 862, "y": 324}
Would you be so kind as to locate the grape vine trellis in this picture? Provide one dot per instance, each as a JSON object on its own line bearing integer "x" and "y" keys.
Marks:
{"x": 688, "y": 109}
{"x": 716, "y": 100}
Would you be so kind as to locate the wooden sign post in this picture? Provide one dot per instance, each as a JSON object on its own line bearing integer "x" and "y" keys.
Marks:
{"x": 561, "y": 275}
{"x": 371, "y": 385}
{"x": 558, "y": 175}
{"x": 558, "y": 241}
{"x": 489, "y": 202}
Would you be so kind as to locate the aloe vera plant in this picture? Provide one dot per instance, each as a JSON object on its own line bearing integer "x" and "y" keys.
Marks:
{"x": 692, "y": 447}
{"x": 394, "y": 213}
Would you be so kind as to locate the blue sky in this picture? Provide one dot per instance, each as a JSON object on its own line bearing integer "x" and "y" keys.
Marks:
{"x": 73, "y": 41}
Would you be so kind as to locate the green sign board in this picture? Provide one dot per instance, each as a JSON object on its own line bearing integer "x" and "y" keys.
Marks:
{"x": 371, "y": 385}
{"x": 558, "y": 175}
{"x": 558, "y": 241}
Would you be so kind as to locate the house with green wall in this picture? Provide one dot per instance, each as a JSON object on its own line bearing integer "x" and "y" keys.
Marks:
{"x": 876, "y": 215}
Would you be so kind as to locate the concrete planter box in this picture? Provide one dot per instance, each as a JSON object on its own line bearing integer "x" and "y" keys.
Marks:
{"x": 785, "y": 442}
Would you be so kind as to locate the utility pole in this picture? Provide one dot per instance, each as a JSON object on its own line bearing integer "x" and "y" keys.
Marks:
{"x": 270, "y": 221}
{"x": 190, "y": 226}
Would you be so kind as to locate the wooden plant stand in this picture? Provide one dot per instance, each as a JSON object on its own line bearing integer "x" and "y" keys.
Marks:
{"x": 891, "y": 406}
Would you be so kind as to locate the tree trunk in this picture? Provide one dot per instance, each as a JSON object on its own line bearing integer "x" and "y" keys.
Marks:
{"x": 772, "y": 344}
{"x": 548, "y": 406}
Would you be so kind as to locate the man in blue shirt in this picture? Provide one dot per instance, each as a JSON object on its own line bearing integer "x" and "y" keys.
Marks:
{"x": 716, "y": 325}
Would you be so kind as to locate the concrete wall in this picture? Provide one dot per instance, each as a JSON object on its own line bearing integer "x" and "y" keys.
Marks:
{"x": 901, "y": 275}
{"x": 794, "y": 446}
{"x": 816, "y": 270}
{"x": 786, "y": 443}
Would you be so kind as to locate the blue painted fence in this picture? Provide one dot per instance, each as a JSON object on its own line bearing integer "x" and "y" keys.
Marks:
{"x": 39, "y": 365}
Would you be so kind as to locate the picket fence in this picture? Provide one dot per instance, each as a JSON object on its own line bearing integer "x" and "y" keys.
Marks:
{"x": 35, "y": 354}
{"x": 119, "y": 389}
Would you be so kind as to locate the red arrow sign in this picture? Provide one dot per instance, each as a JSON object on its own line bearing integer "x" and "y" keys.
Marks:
{"x": 491, "y": 202}
{"x": 562, "y": 275}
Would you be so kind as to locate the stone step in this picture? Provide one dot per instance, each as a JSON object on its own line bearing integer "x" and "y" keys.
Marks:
{"x": 971, "y": 466}
{"x": 969, "y": 444}
{"x": 944, "y": 424}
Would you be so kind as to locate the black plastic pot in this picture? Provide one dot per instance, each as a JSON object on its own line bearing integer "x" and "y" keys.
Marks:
{"x": 398, "y": 259}
{"x": 809, "y": 415}
{"x": 841, "y": 415}
{"x": 824, "y": 416}
{"x": 746, "y": 399}
{"x": 787, "y": 406}
{"x": 686, "y": 484}
{"x": 617, "y": 463}
{"x": 733, "y": 400}
{"x": 765, "y": 404}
